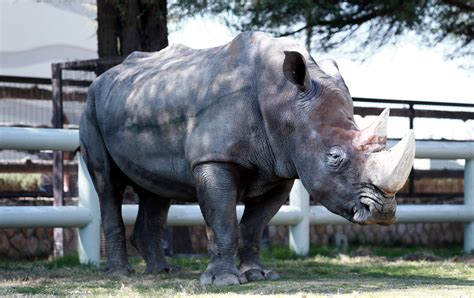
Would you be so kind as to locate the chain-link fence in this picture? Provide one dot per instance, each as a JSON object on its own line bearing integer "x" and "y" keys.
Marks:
{"x": 24, "y": 102}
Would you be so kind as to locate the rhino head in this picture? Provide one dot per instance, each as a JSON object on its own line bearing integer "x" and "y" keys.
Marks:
{"x": 348, "y": 170}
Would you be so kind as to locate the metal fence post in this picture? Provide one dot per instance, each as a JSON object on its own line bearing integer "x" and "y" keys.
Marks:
{"x": 469, "y": 203}
{"x": 88, "y": 244}
{"x": 299, "y": 233}
{"x": 58, "y": 165}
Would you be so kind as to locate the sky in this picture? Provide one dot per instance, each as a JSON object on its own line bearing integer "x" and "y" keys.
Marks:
{"x": 33, "y": 34}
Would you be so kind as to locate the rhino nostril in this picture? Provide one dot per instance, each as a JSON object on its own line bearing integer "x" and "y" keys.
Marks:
{"x": 361, "y": 213}
{"x": 367, "y": 204}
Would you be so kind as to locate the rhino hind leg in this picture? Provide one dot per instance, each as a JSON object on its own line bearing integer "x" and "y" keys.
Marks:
{"x": 258, "y": 212}
{"x": 218, "y": 190}
{"x": 148, "y": 232}
{"x": 110, "y": 184}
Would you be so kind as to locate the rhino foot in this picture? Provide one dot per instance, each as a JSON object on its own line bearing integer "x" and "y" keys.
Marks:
{"x": 260, "y": 274}
{"x": 118, "y": 270}
{"x": 254, "y": 271}
{"x": 222, "y": 278}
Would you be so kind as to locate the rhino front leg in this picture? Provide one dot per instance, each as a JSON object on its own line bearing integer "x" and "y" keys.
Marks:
{"x": 217, "y": 191}
{"x": 148, "y": 231}
{"x": 258, "y": 212}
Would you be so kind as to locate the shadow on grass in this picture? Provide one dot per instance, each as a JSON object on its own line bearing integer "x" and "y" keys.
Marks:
{"x": 346, "y": 278}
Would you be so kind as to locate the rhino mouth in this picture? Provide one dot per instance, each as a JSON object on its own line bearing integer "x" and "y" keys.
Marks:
{"x": 373, "y": 206}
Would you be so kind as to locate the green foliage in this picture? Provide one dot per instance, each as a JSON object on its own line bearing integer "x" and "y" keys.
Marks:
{"x": 16, "y": 182}
{"x": 277, "y": 252}
{"x": 65, "y": 261}
{"x": 329, "y": 24}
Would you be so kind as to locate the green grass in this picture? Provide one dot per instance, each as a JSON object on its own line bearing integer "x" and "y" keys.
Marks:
{"x": 326, "y": 272}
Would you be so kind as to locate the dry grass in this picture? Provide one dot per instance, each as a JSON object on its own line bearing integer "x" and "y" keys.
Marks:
{"x": 324, "y": 274}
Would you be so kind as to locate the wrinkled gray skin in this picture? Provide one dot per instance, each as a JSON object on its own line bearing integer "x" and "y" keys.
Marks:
{"x": 217, "y": 126}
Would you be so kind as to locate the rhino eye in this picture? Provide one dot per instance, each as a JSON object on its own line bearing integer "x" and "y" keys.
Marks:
{"x": 334, "y": 157}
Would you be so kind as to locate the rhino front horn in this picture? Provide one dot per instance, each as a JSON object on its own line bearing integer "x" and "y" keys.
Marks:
{"x": 388, "y": 170}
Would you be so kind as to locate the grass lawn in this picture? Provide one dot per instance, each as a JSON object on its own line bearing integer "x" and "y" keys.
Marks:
{"x": 358, "y": 272}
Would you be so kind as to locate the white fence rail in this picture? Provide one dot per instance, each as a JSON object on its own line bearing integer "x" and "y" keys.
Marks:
{"x": 299, "y": 215}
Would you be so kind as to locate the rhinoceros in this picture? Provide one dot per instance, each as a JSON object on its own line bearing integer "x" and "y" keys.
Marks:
{"x": 229, "y": 124}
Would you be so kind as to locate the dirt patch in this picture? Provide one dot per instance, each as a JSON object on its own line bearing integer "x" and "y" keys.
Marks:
{"x": 466, "y": 259}
{"x": 422, "y": 256}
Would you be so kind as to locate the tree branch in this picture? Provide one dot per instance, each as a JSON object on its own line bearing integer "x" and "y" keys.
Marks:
{"x": 466, "y": 5}
{"x": 344, "y": 20}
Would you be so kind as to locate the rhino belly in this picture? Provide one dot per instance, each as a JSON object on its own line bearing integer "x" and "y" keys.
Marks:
{"x": 154, "y": 165}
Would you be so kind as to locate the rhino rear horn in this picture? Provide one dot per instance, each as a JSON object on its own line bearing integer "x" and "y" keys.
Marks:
{"x": 374, "y": 137}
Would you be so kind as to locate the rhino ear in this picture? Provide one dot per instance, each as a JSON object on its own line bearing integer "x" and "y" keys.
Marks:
{"x": 295, "y": 71}
{"x": 330, "y": 67}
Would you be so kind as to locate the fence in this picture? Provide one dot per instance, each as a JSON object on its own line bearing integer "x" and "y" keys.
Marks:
{"x": 68, "y": 88}
{"x": 298, "y": 214}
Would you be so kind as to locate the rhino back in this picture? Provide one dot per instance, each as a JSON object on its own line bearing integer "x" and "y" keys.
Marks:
{"x": 163, "y": 113}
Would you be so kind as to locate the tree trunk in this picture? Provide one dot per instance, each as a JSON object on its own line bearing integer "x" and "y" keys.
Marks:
{"x": 107, "y": 32}
{"x": 130, "y": 38}
{"x": 153, "y": 19}
{"x": 309, "y": 32}
{"x": 131, "y": 25}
